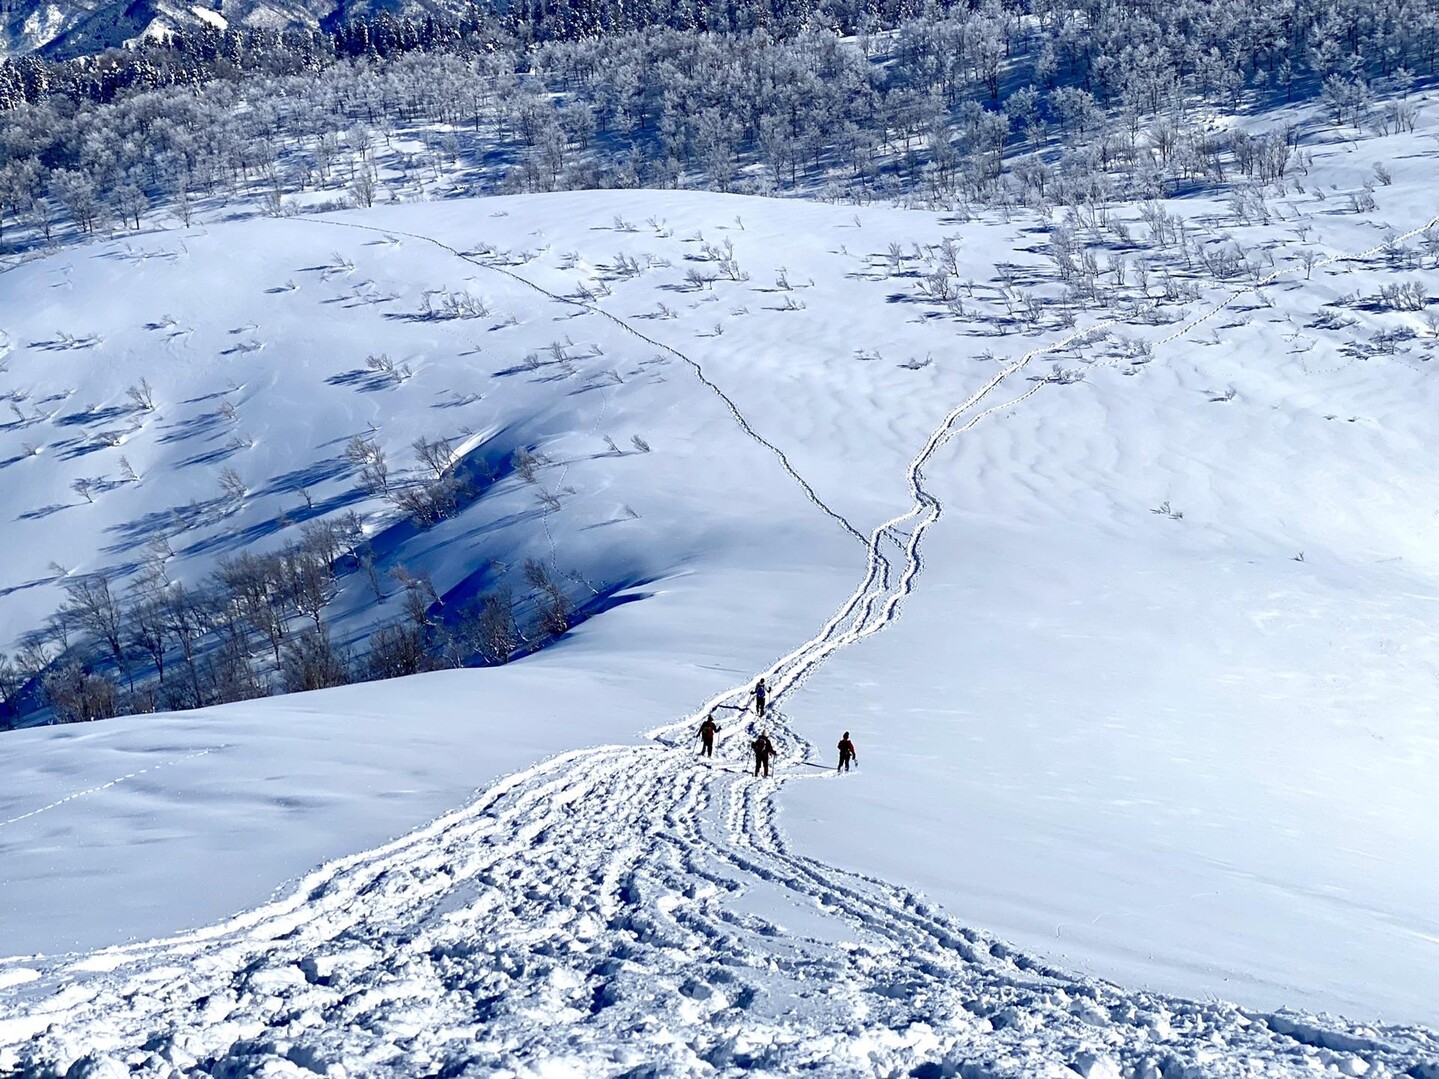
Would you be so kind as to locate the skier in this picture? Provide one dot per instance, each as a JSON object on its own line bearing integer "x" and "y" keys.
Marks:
{"x": 708, "y": 729}
{"x": 758, "y": 694}
{"x": 846, "y": 753}
{"x": 763, "y": 751}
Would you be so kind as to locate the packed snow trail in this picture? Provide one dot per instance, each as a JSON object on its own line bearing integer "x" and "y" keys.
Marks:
{"x": 588, "y": 915}
{"x": 597, "y": 914}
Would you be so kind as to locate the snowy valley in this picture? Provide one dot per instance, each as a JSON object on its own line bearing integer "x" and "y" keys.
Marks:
{"x": 1108, "y": 532}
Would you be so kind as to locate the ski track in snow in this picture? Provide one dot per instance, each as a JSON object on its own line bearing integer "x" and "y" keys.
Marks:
{"x": 75, "y": 796}
{"x": 588, "y": 915}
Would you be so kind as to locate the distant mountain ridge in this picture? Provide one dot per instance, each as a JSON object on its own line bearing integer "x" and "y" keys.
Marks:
{"x": 60, "y": 29}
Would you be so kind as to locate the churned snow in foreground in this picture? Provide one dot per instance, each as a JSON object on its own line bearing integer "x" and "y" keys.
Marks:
{"x": 1135, "y": 641}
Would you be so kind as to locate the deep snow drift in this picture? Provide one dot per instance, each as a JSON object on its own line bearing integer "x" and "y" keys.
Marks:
{"x": 1152, "y": 698}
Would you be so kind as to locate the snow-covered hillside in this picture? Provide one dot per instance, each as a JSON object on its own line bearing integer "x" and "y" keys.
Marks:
{"x": 1126, "y": 595}
{"x": 68, "y": 28}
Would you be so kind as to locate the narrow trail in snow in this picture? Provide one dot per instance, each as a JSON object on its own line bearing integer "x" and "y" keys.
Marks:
{"x": 613, "y": 911}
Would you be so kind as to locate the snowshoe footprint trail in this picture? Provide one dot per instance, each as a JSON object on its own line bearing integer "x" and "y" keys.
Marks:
{"x": 589, "y": 915}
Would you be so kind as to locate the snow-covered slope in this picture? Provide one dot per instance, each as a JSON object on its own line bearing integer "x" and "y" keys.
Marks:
{"x": 1151, "y": 700}
{"x": 67, "y": 28}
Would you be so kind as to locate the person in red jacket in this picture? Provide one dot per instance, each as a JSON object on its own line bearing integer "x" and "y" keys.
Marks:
{"x": 846, "y": 753}
{"x": 708, "y": 729}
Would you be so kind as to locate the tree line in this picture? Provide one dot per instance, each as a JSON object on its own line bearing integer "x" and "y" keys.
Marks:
{"x": 1101, "y": 46}
{"x": 260, "y": 622}
{"x": 998, "y": 103}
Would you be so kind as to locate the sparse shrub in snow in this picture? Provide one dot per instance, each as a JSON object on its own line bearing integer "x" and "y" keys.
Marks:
{"x": 624, "y": 266}
{"x": 553, "y": 608}
{"x": 525, "y": 464}
{"x": 366, "y": 454}
{"x": 92, "y": 606}
{"x": 232, "y": 486}
{"x": 435, "y": 454}
{"x": 1362, "y": 202}
{"x": 938, "y": 285}
{"x": 1330, "y": 319}
{"x": 463, "y": 304}
{"x": 77, "y": 696}
{"x": 12, "y": 680}
{"x": 397, "y": 650}
{"x": 1397, "y": 116}
{"x": 724, "y": 257}
{"x": 142, "y": 394}
{"x": 699, "y": 279}
{"x": 311, "y": 661}
{"x": 487, "y": 628}
{"x": 1408, "y": 296}
{"x": 1430, "y": 241}
{"x": 429, "y": 501}
{"x": 365, "y": 184}
{"x": 390, "y": 370}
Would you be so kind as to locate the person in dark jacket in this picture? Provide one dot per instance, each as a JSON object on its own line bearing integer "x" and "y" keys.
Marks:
{"x": 846, "y": 753}
{"x": 708, "y": 729}
{"x": 758, "y": 693}
{"x": 763, "y": 751}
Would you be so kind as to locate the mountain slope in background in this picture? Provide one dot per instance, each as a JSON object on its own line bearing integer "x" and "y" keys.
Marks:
{"x": 64, "y": 28}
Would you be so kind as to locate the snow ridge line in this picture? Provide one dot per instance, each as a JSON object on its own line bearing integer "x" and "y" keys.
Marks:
{"x": 734, "y": 409}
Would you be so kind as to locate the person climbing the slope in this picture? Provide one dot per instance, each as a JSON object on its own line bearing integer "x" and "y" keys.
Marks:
{"x": 846, "y": 753}
{"x": 758, "y": 693}
{"x": 708, "y": 729}
{"x": 763, "y": 751}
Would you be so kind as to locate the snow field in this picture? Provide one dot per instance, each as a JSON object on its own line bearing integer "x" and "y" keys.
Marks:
{"x": 1107, "y": 690}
